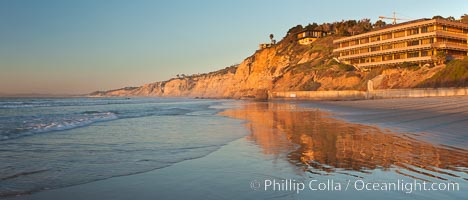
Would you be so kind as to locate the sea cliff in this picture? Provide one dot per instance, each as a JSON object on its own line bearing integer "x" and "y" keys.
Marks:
{"x": 285, "y": 66}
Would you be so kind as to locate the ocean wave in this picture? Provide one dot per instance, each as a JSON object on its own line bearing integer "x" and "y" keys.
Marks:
{"x": 60, "y": 116}
{"x": 30, "y": 125}
{"x": 19, "y": 174}
{"x": 48, "y": 124}
{"x": 34, "y": 103}
{"x": 23, "y": 105}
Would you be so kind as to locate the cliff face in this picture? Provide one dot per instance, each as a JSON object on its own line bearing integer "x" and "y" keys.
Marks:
{"x": 286, "y": 66}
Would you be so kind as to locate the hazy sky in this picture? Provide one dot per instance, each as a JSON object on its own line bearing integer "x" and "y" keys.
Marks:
{"x": 66, "y": 46}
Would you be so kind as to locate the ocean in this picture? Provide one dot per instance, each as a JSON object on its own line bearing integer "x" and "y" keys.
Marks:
{"x": 48, "y": 143}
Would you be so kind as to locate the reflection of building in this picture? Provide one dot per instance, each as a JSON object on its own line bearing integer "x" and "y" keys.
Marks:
{"x": 307, "y": 37}
{"x": 415, "y": 41}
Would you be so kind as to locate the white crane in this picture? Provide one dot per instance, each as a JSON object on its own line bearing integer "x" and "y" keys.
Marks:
{"x": 394, "y": 18}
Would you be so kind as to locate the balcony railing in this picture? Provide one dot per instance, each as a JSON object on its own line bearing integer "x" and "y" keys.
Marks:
{"x": 451, "y": 45}
{"x": 388, "y": 51}
{"x": 389, "y": 62}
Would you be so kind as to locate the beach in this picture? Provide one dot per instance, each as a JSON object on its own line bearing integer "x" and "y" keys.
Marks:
{"x": 332, "y": 148}
{"x": 439, "y": 120}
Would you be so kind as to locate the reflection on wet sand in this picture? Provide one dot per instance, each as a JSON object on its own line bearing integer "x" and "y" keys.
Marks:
{"x": 319, "y": 144}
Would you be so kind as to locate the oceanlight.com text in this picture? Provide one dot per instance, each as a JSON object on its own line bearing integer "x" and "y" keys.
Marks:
{"x": 356, "y": 185}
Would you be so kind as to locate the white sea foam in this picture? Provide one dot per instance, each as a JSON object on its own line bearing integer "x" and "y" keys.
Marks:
{"x": 73, "y": 122}
{"x": 43, "y": 125}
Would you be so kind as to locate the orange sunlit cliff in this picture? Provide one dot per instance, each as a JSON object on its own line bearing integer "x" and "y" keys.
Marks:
{"x": 295, "y": 65}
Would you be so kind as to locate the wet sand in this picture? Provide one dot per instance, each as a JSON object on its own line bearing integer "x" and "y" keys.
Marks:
{"x": 287, "y": 141}
{"x": 440, "y": 120}
{"x": 323, "y": 145}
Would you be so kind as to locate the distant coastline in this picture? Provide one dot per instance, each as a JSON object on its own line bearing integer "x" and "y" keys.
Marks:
{"x": 38, "y": 95}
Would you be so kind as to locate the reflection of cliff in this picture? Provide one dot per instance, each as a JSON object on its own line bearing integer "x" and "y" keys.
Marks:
{"x": 323, "y": 145}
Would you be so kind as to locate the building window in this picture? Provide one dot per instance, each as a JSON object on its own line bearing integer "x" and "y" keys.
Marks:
{"x": 400, "y": 56}
{"x": 376, "y": 59}
{"x": 427, "y": 41}
{"x": 413, "y": 31}
{"x": 387, "y": 36}
{"x": 413, "y": 54}
{"x": 344, "y": 44}
{"x": 364, "y": 50}
{"x": 424, "y": 29}
{"x": 399, "y": 45}
{"x": 413, "y": 43}
{"x": 425, "y": 53}
{"x": 387, "y": 57}
{"x": 354, "y": 42}
{"x": 385, "y": 47}
{"x": 365, "y": 40}
{"x": 442, "y": 40}
{"x": 399, "y": 34}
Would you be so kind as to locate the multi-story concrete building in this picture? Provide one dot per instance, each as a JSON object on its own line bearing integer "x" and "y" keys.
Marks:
{"x": 415, "y": 41}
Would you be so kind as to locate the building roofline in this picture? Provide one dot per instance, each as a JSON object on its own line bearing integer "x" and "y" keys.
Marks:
{"x": 308, "y": 30}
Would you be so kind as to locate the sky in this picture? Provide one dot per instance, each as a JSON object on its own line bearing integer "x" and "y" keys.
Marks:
{"x": 80, "y": 46}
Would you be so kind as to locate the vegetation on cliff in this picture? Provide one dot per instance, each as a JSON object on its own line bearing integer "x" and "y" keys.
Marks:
{"x": 455, "y": 74}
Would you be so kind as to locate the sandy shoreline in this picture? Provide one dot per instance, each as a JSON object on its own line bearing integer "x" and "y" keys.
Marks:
{"x": 287, "y": 141}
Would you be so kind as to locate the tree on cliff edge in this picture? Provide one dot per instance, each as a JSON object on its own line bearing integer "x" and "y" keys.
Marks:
{"x": 295, "y": 29}
{"x": 379, "y": 24}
